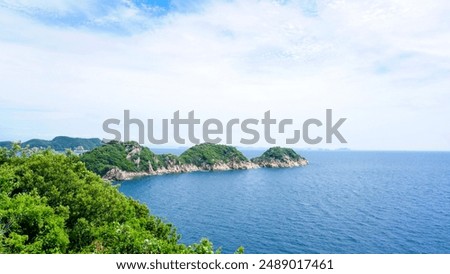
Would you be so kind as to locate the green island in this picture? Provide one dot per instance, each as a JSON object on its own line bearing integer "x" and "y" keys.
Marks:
{"x": 127, "y": 160}
{"x": 280, "y": 157}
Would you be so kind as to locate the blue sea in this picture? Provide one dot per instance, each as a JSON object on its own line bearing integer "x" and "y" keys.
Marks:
{"x": 342, "y": 202}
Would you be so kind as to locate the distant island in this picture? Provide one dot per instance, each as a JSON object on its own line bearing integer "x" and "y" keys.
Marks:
{"x": 126, "y": 160}
{"x": 60, "y": 143}
{"x": 277, "y": 157}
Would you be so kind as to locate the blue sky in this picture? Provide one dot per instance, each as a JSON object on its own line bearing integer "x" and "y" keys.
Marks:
{"x": 111, "y": 16}
{"x": 385, "y": 65}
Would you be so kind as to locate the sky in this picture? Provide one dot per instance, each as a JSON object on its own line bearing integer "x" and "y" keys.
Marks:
{"x": 66, "y": 66}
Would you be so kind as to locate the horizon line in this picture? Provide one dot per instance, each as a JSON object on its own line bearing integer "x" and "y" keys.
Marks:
{"x": 340, "y": 149}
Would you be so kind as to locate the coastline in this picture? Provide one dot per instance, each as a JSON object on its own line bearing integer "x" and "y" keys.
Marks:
{"x": 116, "y": 174}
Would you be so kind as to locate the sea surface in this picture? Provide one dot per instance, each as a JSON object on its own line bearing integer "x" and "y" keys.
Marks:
{"x": 342, "y": 202}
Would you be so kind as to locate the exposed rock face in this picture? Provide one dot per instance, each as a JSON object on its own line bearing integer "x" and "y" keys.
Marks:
{"x": 116, "y": 174}
{"x": 282, "y": 163}
{"x": 234, "y": 165}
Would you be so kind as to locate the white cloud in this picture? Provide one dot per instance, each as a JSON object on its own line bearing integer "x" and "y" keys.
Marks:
{"x": 383, "y": 64}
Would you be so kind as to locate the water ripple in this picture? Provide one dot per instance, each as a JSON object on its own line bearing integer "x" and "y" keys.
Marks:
{"x": 343, "y": 202}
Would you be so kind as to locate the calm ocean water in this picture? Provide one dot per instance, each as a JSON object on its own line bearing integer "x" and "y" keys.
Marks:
{"x": 343, "y": 202}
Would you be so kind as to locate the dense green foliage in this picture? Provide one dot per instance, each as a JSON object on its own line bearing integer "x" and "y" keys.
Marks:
{"x": 60, "y": 143}
{"x": 167, "y": 160}
{"x": 279, "y": 154}
{"x": 211, "y": 154}
{"x": 128, "y": 156}
{"x": 50, "y": 203}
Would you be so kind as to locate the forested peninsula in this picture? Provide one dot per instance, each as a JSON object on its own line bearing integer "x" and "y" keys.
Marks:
{"x": 127, "y": 160}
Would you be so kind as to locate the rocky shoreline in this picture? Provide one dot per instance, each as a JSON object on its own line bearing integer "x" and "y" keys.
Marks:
{"x": 283, "y": 164}
{"x": 117, "y": 161}
{"x": 116, "y": 174}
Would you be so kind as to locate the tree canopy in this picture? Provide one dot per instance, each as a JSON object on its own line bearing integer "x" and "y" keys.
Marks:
{"x": 278, "y": 153}
{"x": 211, "y": 154}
